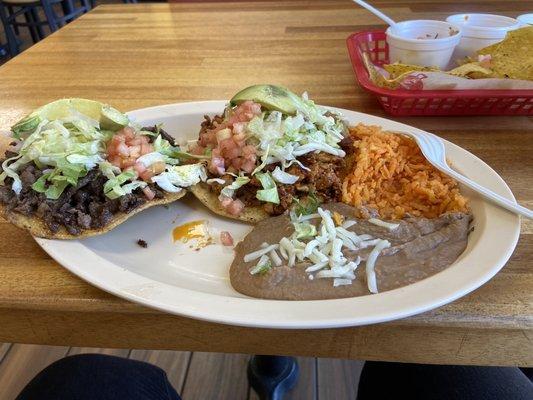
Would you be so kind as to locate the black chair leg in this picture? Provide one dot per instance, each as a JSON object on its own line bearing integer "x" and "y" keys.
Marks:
{"x": 11, "y": 11}
{"x": 50, "y": 15}
{"x": 68, "y": 9}
{"x": 272, "y": 376}
{"x": 12, "y": 43}
{"x": 37, "y": 20}
{"x": 87, "y": 5}
{"x": 31, "y": 26}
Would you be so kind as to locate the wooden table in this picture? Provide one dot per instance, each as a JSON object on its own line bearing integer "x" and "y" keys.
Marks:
{"x": 142, "y": 55}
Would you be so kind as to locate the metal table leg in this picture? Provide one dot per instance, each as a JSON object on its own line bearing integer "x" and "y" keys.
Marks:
{"x": 272, "y": 376}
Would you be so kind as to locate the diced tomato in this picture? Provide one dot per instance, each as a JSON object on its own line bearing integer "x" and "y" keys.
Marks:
{"x": 128, "y": 132}
{"x": 248, "y": 165}
{"x": 149, "y": 193}
{"x": 238, "y": 128}
{"x": 118, "y": 138}
{"x": 226, "y": 239}
{"x": 249, "y": 150}
{"x": 116, "y": 161}
{"x": 136, "y": 141}
{"x": 223, "y": 134}
{"x": 225, "y": 201}
{"x": 139, "y": 167}
{"x": 127, "y": 162}
{"x": 135, "y": 151}
{"x": 229, "y": 149}
{"x": 146, "y": 148}
{"x": 236, "y": 207}
{"x": 217, "y": 166}
{"x": 237, "y": 163}
{"x": 123, "y": 150}
{"x": 111, "y": 150}
{"x": 146, "y": 175}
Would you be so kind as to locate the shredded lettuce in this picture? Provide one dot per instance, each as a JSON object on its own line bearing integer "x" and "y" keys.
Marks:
{"x": 269, "y": 193}
{"x": 113, "y": 189}
{"x": 10, "y": 171}
{"x": 40, "y": 184}
{"x": 284, "y": 177}
{"x": 263, "y": 267}
{"x": 109, "y": 170}
{"x": 306, "y": 206}
{"x": 70, "y": 147}
{"x": 67, "y": 149}
{"x": 304, "y": 230}
{"x": 280, "y": 138}
{"x": 174, "y": 153}
{"x": 180, "y": 176}
{"x": 151, "y": 158}
{"x": 229, "y": 190}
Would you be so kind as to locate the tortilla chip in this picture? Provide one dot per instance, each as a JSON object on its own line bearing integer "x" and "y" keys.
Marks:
{"x": 209, "y": 198}
{"x": 377, "y": 78}
{"x": 471, "y": 70}
{"x": 397, "y": 69}
{"x": 513, "y": 56}
{"x": 37, "y": 226}
{"x": 489, "y": 49}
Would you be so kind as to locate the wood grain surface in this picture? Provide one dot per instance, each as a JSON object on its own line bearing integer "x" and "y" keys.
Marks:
{"x": 143, "y": 55}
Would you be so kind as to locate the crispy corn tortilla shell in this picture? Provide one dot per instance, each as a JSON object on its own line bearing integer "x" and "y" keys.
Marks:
{"x": 398, "y": 70}
{"x": 376, "y": 77}
{"x": 472, "y": 70}
{"x": 37, "y": 226}
{"x": 513, "y": 56}
{"x": 250, "y": 214}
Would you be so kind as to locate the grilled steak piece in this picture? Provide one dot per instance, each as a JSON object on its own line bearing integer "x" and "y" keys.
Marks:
{"x": 165, "y": 135}
{"x": 79, "y": 207}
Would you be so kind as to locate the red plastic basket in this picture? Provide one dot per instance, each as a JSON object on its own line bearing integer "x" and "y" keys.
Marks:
{"x": 402, "y": 102}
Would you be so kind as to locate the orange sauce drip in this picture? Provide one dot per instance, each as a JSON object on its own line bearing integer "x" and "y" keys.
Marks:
{"x": 188, "y": 231}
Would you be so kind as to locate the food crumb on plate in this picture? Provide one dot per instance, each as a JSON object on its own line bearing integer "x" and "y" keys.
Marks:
{"x": 226, "y": 239}
{"x": 142, "y": 243}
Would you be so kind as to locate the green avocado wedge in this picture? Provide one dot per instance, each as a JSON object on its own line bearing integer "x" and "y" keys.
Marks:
{"x": 273, "y": 98}
{"x": 109, "y": 117}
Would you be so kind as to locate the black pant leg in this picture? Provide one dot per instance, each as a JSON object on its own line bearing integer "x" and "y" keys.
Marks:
{"x": 380, "y": 380}
{"x": 99, "y": 377}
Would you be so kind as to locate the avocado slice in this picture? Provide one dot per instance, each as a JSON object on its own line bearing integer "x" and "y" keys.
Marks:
{"x": 109, "y": 117}
{"x": 272, "y": 97}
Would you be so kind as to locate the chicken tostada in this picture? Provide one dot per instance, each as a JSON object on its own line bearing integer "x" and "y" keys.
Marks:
{"x": 268, "y": 150}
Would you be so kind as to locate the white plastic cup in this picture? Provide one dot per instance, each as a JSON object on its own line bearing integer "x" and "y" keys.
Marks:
{"x": 479, "y": 31}
{"x": 525, "y": 19}
{"x": 423, "y": 42}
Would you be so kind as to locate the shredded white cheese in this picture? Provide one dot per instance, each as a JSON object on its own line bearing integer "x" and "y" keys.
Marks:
{"x": 260, "y": 265}
{"x": 324, "y": 251}
{"x": 275, "y": 258}
{"x": 340, "y": 282}
{"x": 259, "y": 253}
{"x": 389, "y": 225}
{"x": 348, "y": 224}
{"x": 370, "y": 264}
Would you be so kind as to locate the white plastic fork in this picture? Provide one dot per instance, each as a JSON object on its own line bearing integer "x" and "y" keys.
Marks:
{"x": 433, "y": 149}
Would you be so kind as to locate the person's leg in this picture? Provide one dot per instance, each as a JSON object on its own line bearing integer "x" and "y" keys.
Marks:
{"x": 99, "y": 377}
{"x": 528, "y": 372}
{"x": 380, "y": 380}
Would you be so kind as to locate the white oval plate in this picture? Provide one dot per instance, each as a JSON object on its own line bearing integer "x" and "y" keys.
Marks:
{"x": 172, "y": 277}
